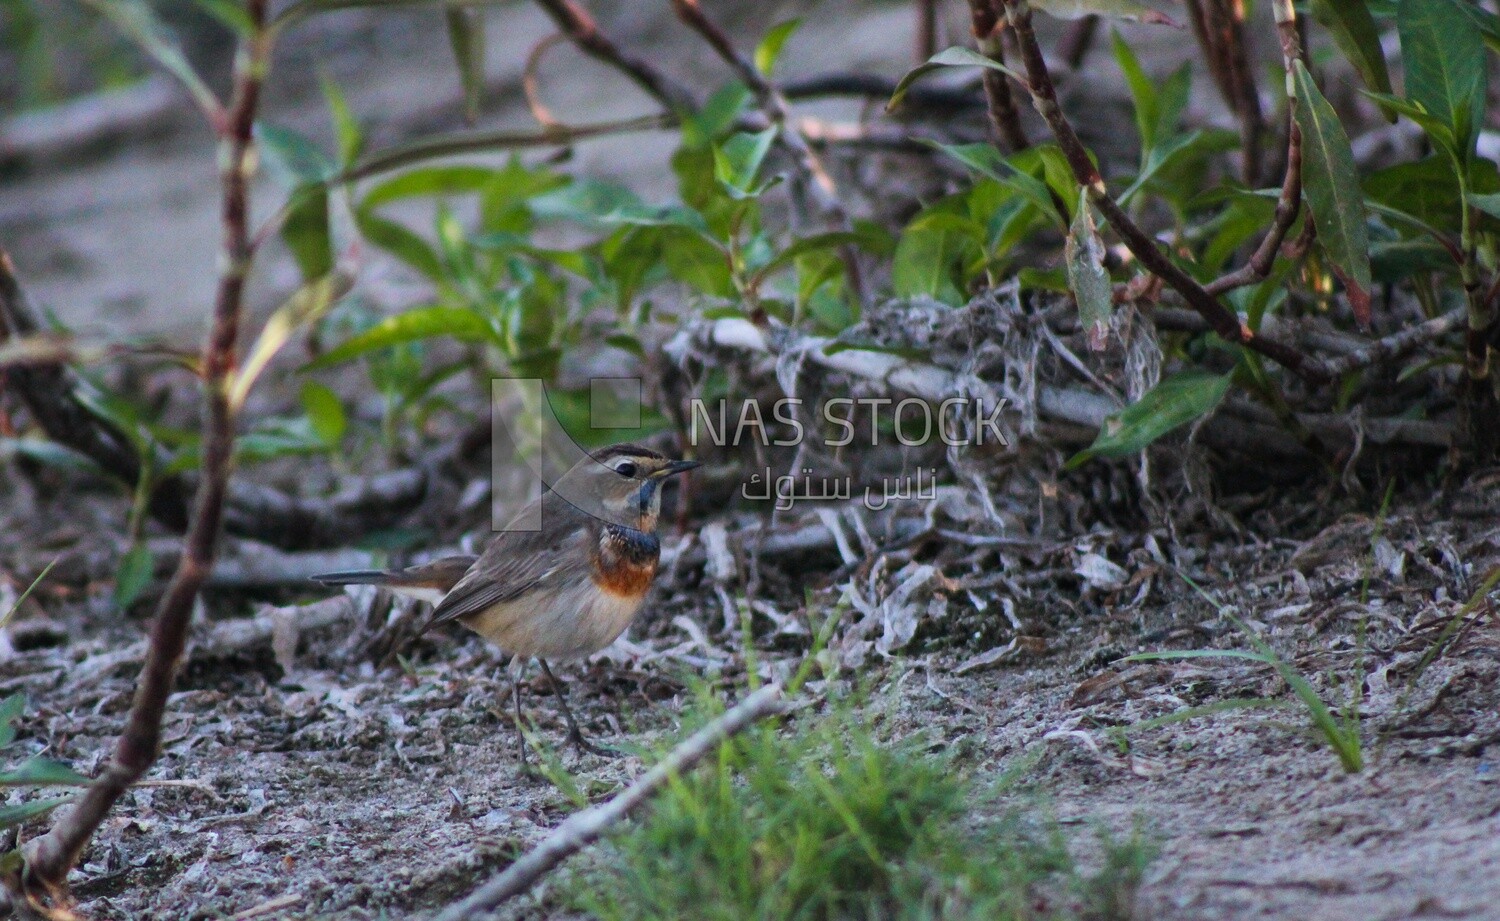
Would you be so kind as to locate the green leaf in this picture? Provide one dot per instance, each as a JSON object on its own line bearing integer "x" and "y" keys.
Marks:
{"x": 42, "y": 772}
{"x": 231, "y": 13}
{"x": 466, "y": 38}
{"x": 429, "y": 182}
{"x": 133, "y": 575}
{"x": 305, "y": 231}
{"x": 1489, "y": 204}
{"x": 957, "y": 56}
{"x": 1443, "y": 55}
{"x": 700, "y": 129}
{"x": 15, "y": 815}
{"x": 351, "y": 139}
{"x": 6, "y": 617}
{"x": 928, "y": 253}
{"x": 769, "y": 49}
{"x": 291, "y": 158}
{"x": 1112, "y": 9}
{"x": 738, "y": 160}
{"x": 422, "y": 323}
{"x": 696, "y": 262}
{"x": 1353, "y": 30}
{"x": 985, "y": 159}
{"x": 1142, "y": 90}
{"x": 1331, "y": 186}
{"x": 399, "y": 241}
{"x": 805, "y": 245}
{"x": 1087, "y": 277}
{"x": 1437, "y": 130}
{"x": 1428, "y": 191}
{"x": 1174, "y": 402}
{"x": 1486, "y": 22}
{"x": 326, "y": 413}
{"x": 305, "y": 306}
{"x": 141, "y": 25}
{"x": 10, "y": 710}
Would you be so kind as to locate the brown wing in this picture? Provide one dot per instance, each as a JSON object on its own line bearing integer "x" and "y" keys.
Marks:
{"x": 517, "y": 562}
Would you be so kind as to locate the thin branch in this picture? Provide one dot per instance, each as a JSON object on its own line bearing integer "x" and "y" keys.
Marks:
{"x": 809, "y": 165}
{"x": 770, "y": 100}
{"x": 1290, "y": 201}
{"x": 1075, "y": 43}
{"x": 921, "y": 98}
{"x": 580, "y": 26}
{"x": 452, "y": 145}
{"x": 1397, "y": 344}
{"x": 50, "y": 393}
{"x": 1220, "y": 318}
{"x": 985, "y": 22}
{"x": 1224, "y": 21}
{"x": 583, "y": 828}
{"x": 927, "y": 22}
{"x": 49, "y": 858}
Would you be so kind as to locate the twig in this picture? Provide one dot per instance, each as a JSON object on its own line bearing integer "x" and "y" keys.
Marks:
{"x": 926, "y": 43}
{"x": 1290, "y": 200}
{"x": 1223, "y": 25}
{"x": 1075, "y": 43}
{"x": 578, "y": 25}
{"x": 50, "y": 393}
{"x": 583, "y": 828}
{"x": 227, "y": 639}
{"x": 921, "y": 98}
{"x": 985, "y": 23}
{"x": 811, "y": 172}
{"x": 49, "y": 858}
{"x": 1397, "y": 344}
{"x": 450, "y": 145}
{"x": 1220, "y": 318}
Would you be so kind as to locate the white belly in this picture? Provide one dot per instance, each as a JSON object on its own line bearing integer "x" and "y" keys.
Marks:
{"x": 569, "y": 624}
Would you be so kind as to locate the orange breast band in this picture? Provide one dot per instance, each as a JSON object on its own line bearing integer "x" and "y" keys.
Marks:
{"x": 625, "y": 580}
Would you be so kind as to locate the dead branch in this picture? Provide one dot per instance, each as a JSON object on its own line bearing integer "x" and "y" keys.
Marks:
{"x": 292, "y": 522}
{"x": 1397, "y": 344}
{"x": 921, "y": 98}
{"x": 51, "y": 857}
{"x": 774, "y": 104}
{"x": 226, "y": 639}
{"x": 583, "y": 828}
{"x": 1220, "y": 27}
{"x": 50, "y": 393}
{"x": 1221, "y": 318}
{"x": 1075, "y": 43}
{"x": 576, "y": 23}
{"x": 1256, "y": 433}
{"x": 1290, "y": 201}
{"x": 985, "y": 22}
{"x": 927, "y": 23}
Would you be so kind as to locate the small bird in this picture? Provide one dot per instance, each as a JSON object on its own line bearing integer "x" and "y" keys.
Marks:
{"x": 564, "y": 590}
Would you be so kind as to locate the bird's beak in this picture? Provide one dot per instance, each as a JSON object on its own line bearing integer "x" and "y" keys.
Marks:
{"x": 676, "y": 467}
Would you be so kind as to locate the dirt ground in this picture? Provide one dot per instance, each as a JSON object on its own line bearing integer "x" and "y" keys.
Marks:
{"x": 335, "y": 789}
{"x": 317, "y": 784}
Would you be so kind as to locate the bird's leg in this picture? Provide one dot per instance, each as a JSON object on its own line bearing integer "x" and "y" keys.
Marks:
{"x": 517, "y": 668}
{"x": 575, "y": 735}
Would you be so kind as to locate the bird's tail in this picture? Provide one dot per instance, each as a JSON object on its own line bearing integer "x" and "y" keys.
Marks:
{"x": 357, "y": 577}
{"x": 426, "y": 582}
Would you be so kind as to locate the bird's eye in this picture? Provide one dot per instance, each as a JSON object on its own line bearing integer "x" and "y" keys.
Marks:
{"x": 625, "y": 468}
